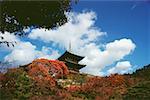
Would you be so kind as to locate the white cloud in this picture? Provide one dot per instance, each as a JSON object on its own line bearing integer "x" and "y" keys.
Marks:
{"x": 79, "y": 30}
{"x": 11, "y": 38}
{"x": 121, "y": 68}
{"x": 48, "y": 53}
{"x": 24, "y": 53}
{"x": 97, "y": 59}
{"x": 82, "y": 33}
{"x": 8, "y": 37}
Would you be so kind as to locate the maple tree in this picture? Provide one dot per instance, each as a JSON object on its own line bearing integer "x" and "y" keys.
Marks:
{"x": 37, "y": 83}
{"x": 47, "y": 70}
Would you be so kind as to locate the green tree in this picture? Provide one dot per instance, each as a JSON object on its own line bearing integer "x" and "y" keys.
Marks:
{"x": 17, "y": 15}
{"x": 141, "y": 91}
{"x": 17, "y": 85}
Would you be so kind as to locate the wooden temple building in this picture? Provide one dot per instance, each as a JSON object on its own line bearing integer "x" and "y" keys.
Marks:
{"x": 72, "y": 61}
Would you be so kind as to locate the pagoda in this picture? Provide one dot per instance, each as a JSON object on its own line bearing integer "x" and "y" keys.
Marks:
{"x": 71, "y": 60}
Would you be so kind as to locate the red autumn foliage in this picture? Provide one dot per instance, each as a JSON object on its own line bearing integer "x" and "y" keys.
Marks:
{"x": 74, "y": 88}
{"x": 2, "y": 77}
{"x": 60, "y": 68}
{"x": 47, "y": 70}
{"x": 62, "y": 94}
{"x": 103, "y": 87}
{"x": 117, "y": 80}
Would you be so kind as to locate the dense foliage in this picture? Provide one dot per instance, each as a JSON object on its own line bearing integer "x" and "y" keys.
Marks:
{"x": 35, "y": 79}
{"x": 141, "y": 89}
{"x": 111, "y": 87}
{"x": 32, "y": 83}
{"x": 47, "y": 70}
{"x": 15, "y": 84}
{"x": 44, "y": 67}
{"x": 18, "y": 15}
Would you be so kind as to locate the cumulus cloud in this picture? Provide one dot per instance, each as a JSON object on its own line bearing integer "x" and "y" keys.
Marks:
{"x": 11, "y": 38}
{"x": 97, "y": 59}
{"x": 48, "y": 53}
{"x": 8, "y": 37}
{"x": 121, "y": 68}
{"x": 79, "y": 30}
{"x": 24, "y": 52}
{"x": 82, "y": 33}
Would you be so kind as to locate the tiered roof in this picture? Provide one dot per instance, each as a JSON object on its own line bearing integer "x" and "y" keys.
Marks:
{"x": 71, "y": 60}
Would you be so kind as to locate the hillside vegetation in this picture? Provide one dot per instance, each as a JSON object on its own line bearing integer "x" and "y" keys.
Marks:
{"x": 51, "y": 80}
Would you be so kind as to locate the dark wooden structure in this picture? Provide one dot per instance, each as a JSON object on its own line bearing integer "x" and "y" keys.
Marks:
{"x": 71, "y": 60}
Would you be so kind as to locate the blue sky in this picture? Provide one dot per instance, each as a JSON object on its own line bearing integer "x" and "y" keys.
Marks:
{"x": 112, "y": 35}
{"x": 130, "y": 19}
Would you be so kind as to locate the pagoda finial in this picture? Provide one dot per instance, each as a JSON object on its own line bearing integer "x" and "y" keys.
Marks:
{"x": 69, "y": 46}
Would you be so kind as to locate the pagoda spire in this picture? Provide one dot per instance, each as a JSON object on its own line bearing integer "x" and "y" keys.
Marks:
{"x": 70, "y": 47}
{"x": 71, "y": 60}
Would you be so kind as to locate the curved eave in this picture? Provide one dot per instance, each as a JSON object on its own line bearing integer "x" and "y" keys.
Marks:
{"x": 74, "y": 65}
{"x": 68, "y": 54}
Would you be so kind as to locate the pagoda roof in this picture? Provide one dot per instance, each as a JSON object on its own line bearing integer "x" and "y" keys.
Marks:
{"x": 74, "y": 65}
{"x": 70, "y": 55}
